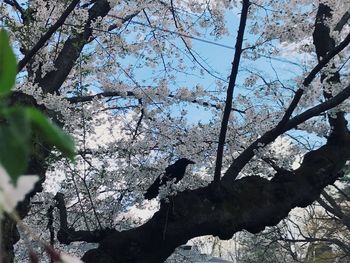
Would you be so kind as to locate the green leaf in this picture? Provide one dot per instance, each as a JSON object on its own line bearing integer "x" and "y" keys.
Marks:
{"x": 8, "y": 66}
{"x": 51, "y": 133}
{"x": 15, "y": 139}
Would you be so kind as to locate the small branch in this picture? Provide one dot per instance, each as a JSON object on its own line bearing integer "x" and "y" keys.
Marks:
{"x": 139, "y": 121}
{"x": 68, "y": 235}
{"x": 80, "y": 202}
{"x": 172, "y": 9}
{"x": 268, "y": 137}
{"x": 50, "y": 225}
{"x": 155, "y": 37}
{"x": 16, "y": 5}
{"x": 334, "y": 241}
{"x": 230, "y": 89}
{"x": 334, "y": 209}
{"x": 342, "y": 22}
{"x": 274, "y": 166}
{"x": 92, "y": 203}
{"x": 347, "y": 197}
{"x": 114, "y": 26}
{"x": 46, "y": 36}
{"x": 311, "y": 77}
{"x": 108, "y": 94}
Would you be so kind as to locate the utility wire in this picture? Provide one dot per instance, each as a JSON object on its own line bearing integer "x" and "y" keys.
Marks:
{"x": 186, "y": 36}
{"x": 174, "y": 32}
{"x": 196, "y": 38}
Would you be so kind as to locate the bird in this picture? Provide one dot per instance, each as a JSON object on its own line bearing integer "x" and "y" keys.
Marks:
{"x": 176, "y": 170}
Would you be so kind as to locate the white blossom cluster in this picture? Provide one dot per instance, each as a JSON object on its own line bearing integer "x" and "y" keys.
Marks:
{"x": 141, "y": 95}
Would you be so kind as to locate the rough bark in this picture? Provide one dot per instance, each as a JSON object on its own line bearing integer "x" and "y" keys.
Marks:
{"x": 71, "y": 50}
{"x": 251, "y": 203}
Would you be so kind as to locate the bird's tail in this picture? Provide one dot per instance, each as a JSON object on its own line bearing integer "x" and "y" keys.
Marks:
{"x": 153, "y": 190}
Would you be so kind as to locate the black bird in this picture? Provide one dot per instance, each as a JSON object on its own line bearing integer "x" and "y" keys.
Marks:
{"x": 176, "y": 170}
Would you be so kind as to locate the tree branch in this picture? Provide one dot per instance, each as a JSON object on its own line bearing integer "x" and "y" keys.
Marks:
{"x": 334, "y": 209}
{"x": 188, "y": 48}
{"x": 30, "y": 54}
{"x": 67, "y": 235}
{"x": 230, "y": 89}
{"x": 250, "y": 203}
{"x": 268, "y": 137}
{"x": 311, "y": 76}
{"x": 109, "y": 94}
{"x": 342, "y": 22}
{"x": 16, "y": 5}
{"x": 334, "y": 241}
{"x": 71, "y": 49}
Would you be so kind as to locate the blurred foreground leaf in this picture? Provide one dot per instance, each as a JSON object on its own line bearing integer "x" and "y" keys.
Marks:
{"x": 8, "y": 66}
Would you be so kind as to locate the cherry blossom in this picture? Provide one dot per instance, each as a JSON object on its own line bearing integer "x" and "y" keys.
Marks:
{"x": 10, "y": 193}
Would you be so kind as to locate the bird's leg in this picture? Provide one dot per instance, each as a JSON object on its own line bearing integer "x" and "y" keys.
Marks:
{"x": 166, "y": 222}
{"x": 173, "y": 205}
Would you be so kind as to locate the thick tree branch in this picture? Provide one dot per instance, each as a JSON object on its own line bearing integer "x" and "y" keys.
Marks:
{"x": 311, "y": 76}
{"x": 268, "y": 137}
{"x": 230, "y": 89}
{"x": 326, "y": 57}
{"x": 71, "y": 49}
{"x": 250, "y": 203}
{"x": 325, "y": 44}
{"x": 345, "y": 195}
{"x": 271, "y": 135}
{"x": 30, "y": 54}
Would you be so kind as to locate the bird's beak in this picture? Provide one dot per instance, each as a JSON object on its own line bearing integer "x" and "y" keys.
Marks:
{"x": 191, "y": 162}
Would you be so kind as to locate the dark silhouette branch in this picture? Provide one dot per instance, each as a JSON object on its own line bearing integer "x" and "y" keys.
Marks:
{"x": 345, "y": 195}
{"x": 67, "y": 235}
{"x": 342, "y": 22}
{"x": 268, "y": 137}
{"x": 109, "y": 94}
{"x": 334, "y": 241}
{"x": 50, "y": 218}
{"x": 311, "y": 76}
{"x": 325, "y": 45}
{"x": 331, "y": 54}
{"x": 250, "y": 203}
{"x": 30, "y": 54}
{"x": 230, "y": 89}
{"x": 138, "y": 124}
{"x": 333, "y": 208}
{"x": 71, "y": 49}
{"x": 16, "y": 5}
{"x": 286, "y": 124}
